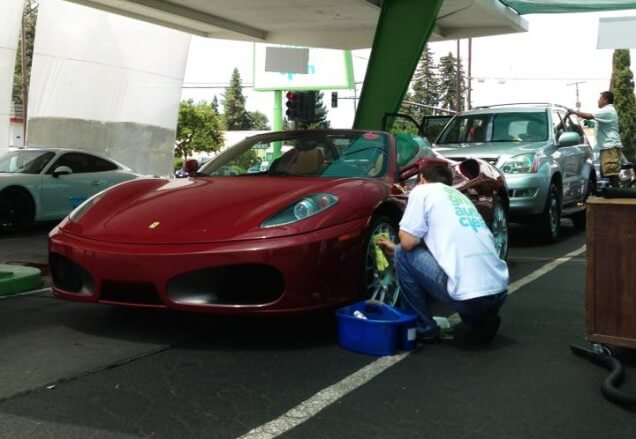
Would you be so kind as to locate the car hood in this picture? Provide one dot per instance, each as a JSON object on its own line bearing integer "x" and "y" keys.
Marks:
{"x": 195, "y": 210}
{"x": 487, "y": 149}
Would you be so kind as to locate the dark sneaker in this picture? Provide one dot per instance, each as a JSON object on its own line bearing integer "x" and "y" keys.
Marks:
{"x": 485, "y": 331}
{"x": 428, "y": 337}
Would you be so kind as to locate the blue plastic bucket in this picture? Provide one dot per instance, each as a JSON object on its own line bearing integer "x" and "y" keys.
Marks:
{"x": 384, "y": 330}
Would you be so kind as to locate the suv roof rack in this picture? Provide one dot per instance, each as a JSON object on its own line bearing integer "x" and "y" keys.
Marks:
{"x": 512, "y": 104}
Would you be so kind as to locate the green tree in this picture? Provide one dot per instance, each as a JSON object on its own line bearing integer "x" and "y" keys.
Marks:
{"x": 400, "y": 124}
{"x": 29, "y": 19}
{"x": 425, "y": 86}
{"x": 235, "y": 114}
{"x": 258, "y": 121}
{"x": 622, "y": 85}
{"x": 199, "y": 128}
{"x": 215, "y": 104}
{"x": 448, "y": 83}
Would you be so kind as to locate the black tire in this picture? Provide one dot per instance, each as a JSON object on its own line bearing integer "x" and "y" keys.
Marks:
{"x": 16, "y": 210}
{"x": 548, "y": 224}
{"x": 499, "y": 228}
{"x": 377, "y": 285}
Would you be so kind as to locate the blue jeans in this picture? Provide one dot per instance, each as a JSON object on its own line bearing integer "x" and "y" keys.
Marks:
{"x": 423, "y": 280}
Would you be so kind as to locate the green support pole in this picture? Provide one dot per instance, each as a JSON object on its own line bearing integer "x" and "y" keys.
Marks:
{"x": 403, "y": 29}
{"x": 277, "y": 122}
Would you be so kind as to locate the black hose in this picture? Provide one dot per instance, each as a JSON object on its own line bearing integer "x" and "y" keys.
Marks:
{"x": 618, "y": 192}
{"x": 617, "y": 373}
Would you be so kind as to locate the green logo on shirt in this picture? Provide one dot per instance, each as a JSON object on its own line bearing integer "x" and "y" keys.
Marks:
{"x": 465, "y": 210}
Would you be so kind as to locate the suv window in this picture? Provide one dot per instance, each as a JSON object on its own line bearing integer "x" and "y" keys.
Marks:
{"x": 567, "y": 123}
{"x": 497, "y": 127}
{"x": 463, "y": 129}
{"x": 572, "y": 124}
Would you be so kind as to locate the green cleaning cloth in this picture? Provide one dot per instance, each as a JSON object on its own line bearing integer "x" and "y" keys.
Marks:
{"x": 380, "y": 258}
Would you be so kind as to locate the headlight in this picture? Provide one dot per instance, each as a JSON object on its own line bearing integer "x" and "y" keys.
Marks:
{"x": 521, "y": 164}
{"x": 77, "y": 213}
{"x": 301, "y": 209}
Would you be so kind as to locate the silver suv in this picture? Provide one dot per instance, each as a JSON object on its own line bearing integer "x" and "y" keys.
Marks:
{"x": 543, "y": 153}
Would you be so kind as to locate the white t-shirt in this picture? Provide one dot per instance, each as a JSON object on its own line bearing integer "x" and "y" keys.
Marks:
{"x": 458, "y": 238}
{"x": 607, "y": 135}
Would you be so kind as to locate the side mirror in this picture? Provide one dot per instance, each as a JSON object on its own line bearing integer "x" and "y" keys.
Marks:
{"x": 569, "y": 138}
{"x": 62, "y": 170}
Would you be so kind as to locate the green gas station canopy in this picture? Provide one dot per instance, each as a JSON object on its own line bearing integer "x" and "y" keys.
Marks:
{"x": 564, "y": 6}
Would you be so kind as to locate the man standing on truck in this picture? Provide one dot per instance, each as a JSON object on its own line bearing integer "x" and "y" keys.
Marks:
{"x": 607, "y": 136}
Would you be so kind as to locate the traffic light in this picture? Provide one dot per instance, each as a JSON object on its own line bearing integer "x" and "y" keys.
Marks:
{"x": 334, "y": 99}
{"x": 307, "y": 106}
{"x": 293, "y": 106}
{"x": 301, "y": 106}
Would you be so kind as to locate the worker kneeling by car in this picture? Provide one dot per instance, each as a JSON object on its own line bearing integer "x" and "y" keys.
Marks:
{"x": 446, "y": 253}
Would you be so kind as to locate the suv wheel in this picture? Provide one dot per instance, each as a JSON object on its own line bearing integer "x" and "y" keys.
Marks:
{"x": 549, "y": 222}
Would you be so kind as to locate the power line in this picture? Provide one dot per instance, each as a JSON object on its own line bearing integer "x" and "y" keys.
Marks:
{"x": 529, "y": 78}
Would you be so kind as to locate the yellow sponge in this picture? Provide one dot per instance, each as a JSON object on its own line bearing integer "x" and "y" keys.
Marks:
{"x": 380, "y": 258}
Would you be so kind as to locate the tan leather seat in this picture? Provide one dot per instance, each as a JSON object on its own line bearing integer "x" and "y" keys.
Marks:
{"x": 307, "y": 162}
{"x": 376, "y": 169}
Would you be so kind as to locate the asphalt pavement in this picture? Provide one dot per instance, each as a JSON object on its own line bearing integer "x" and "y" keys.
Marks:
{"x": 70, "y": 370}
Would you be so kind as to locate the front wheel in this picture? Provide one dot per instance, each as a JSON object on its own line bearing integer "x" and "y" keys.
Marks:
{"x": 548, "y": 224}
{"x": 16, "y": 210}
{"x": 378, "y": 282}
{"x": 499, "y": 228}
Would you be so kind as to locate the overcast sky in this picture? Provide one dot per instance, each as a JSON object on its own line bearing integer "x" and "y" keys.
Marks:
{"x": 535, "y": 66}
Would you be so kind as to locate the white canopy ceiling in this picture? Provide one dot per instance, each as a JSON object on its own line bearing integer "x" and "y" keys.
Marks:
{"x": 337, "y": 24}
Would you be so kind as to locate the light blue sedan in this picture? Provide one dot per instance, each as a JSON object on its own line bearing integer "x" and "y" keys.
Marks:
{"x": 41, "y": 184}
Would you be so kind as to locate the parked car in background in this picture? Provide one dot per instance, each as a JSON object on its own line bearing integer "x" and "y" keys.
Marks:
{"x": 40, "y": 184}
{"x": 626, "y": 177}
{"x": 296, "y": 236}
{"x": 189, "y": 167}
{"x": 543, "y": 153}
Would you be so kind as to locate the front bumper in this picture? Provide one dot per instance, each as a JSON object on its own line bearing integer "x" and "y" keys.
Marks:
{"x": 527, "y": 193}
{"x": 314, "y": 270}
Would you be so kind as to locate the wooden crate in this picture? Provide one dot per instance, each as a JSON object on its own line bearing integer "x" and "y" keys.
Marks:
{"x": 610, "y": 294}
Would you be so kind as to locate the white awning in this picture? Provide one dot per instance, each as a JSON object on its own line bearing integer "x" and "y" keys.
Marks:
{"x": 337, "y": 24}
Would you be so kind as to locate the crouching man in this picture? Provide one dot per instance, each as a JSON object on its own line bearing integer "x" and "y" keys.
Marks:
{"x": 447, "y": 253}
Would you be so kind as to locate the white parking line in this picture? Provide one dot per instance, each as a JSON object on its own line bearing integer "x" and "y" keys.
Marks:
{"x": 327, "y": 396}
{"x": 310, "y": 407}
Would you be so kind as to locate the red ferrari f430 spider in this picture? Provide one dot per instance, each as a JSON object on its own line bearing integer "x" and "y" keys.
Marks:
{"x": 281, "y": 222}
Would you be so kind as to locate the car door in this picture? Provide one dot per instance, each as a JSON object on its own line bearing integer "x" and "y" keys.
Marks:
{"x": 575, "y": 157}
{"x": 566, "y": 157}
{"x": 62, "y": 192}
{"x": 431, "y": 126}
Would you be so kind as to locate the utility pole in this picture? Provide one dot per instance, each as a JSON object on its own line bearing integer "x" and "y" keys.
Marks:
{"x": 469, "y": 104}
{"x": 458, "y": 91}
{"x": 25, "y": 82}
{"x": 576, "y": 85}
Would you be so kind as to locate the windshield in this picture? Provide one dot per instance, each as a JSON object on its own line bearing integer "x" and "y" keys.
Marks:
{"x": 305, "y": 153}
{"x": 496, "y": 127}
{"x": 24, "y": 161}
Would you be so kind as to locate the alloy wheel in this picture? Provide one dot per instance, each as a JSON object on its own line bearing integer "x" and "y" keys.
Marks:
{"x": 380, "y": 285}
{"x": 500, "y": 229}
